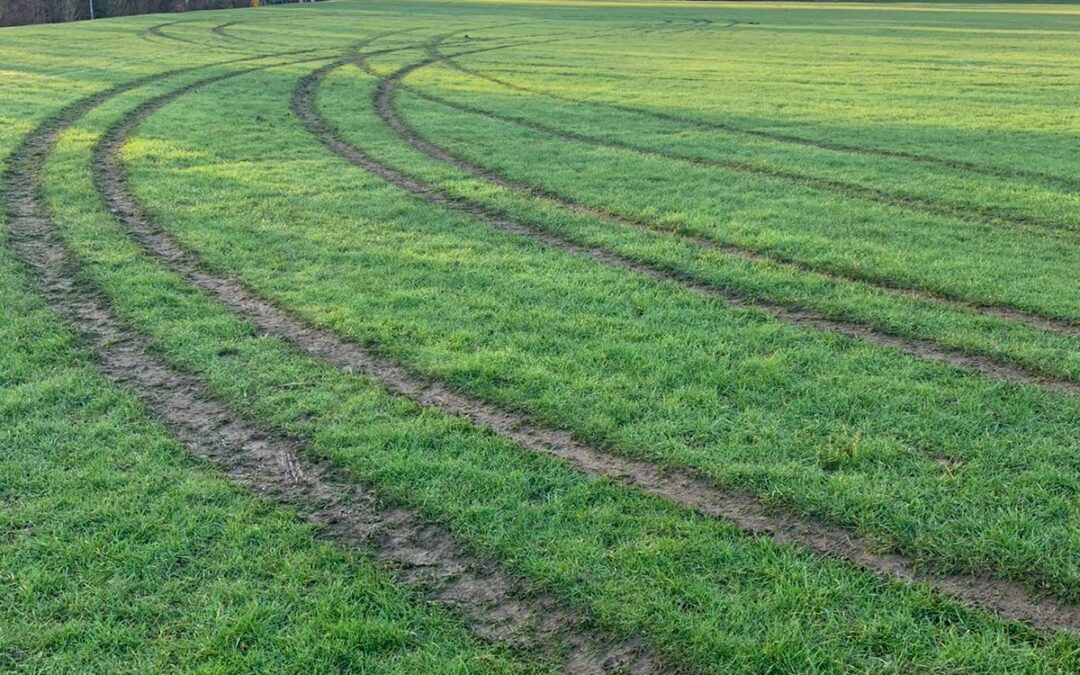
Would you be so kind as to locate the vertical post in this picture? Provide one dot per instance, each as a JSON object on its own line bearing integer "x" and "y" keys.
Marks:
{"x": 91, "y": 9}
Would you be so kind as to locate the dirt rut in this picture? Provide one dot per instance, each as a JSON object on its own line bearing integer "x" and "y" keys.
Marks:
{"x": 1008, "y": 599}
{"x": 499, "y": 606}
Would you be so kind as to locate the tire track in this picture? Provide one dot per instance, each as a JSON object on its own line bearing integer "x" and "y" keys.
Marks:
{"x": 220, "y": 32}
{"x": 392, "y": 117}
{"x": 908, "y": 202}
{"x": 1059, "y": 182}
{"x": 772, "y": 257}
{"x": 923, "y": 349}
{"x": 1006, "y": 312}
{"x": 158, "y": 31}
{"x": 1008, "y": 599}
{"x": 499, "y": 606}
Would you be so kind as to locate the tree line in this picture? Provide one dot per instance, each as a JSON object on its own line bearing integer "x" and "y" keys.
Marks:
{"x": 19, "y": 12}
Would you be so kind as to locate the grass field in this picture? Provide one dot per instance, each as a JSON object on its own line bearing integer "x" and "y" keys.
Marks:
{"x": 534, "y": 336}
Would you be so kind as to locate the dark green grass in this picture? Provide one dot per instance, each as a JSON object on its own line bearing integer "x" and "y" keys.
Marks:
{"x": 705, "y": 595}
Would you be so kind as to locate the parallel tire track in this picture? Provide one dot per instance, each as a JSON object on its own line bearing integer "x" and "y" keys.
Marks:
{"x": 923, "y": 349}
{"x": 850, "y": 190}
{"x": 772, "y": 257}
{"x": 499, "y": 606}
{"x": 1007, "y": 599}
{"x": 159, "y": 31}
{"x": 219, "y": 31}
{"x": 1060, "y": 182}
{"x": 393, "y": 118}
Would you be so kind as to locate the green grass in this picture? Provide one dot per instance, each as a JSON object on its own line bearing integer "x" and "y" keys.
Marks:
{"x": 838, "y": 429}
{"x": 721, "y": 595}
{"x": 123, "y": 554}
{"x": 1018, "y": 197}
{"x": 1025, "y": 267}
{"x": 965, "y": 331}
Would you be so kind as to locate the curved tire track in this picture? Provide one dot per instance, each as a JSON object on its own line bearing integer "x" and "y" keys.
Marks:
{"x": 386, "y": 108}
{"x": 849, "y": 190}
{"x": 923, "y": 349}
{"x": 772, "y": 257}
{"x": 499, "y": 606}
{"x": 158, "y": 31}
{"x": 220, "y": 32}
{"x": 1008, "y": 599}
{"x": 1058, "y": 182}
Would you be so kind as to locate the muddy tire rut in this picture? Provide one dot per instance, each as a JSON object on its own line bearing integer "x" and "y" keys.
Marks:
{"x": 498, "y": 606}
{"x": 1008, "y": 599}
